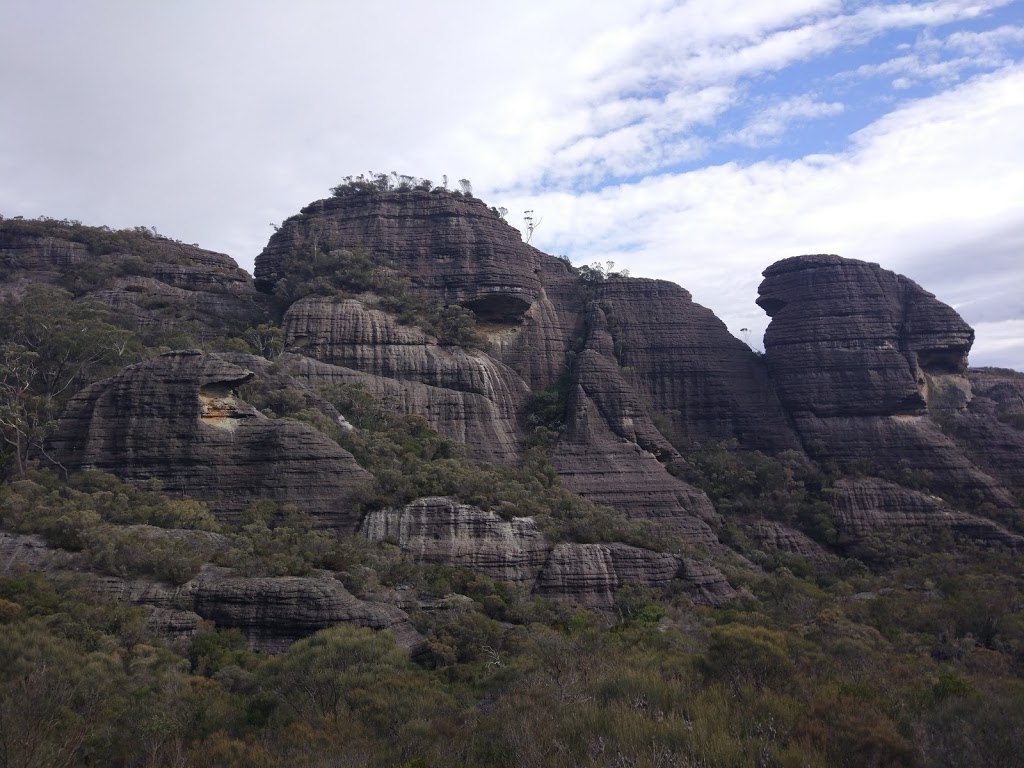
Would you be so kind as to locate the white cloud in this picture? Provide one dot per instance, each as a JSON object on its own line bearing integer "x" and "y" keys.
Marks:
{"x": 768, "y": 125}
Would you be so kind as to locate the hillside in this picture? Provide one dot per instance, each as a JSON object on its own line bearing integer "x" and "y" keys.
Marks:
{"x": 418, "y": 493}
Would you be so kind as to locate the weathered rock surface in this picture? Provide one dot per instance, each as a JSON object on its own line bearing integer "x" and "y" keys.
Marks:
{"x": 773, "y": 536}
{"x": 452, "y": 245}
{"x": 619, "y": 473}
{"x": 159, "y": 283}
{"x": 465, "y": 394}
{"x": 991, "y": 427}
{"x": 708, "y": 384}
{"x": 870, "y": 505}
{"x": 848, "y": 338}
{"x": 592, "y": 573}
{"x": 861, "y": 356}
{"x": 440, "y": 530}
{"x": 175, "y": 419}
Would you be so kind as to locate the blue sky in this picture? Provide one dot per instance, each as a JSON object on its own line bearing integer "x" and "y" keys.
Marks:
{"x": 693, "y": 141}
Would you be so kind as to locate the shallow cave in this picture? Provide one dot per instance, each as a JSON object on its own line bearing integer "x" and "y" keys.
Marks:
{"x": 498, "y": 308}
{"x": 946, "y": 360}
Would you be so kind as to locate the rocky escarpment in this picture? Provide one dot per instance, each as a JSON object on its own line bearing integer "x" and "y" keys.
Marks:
{"x": 272, "y": 612}
{"x": 159, "y": 283}
{"x": 176, "y": 419}
{"x": 592, "y": 573}
{"x": 867, "y": 506}
{"x": 464, "y": 394}
{"x": 863, "y": 360}
{"x": 848, "y": 338}
{"x": 708, "y": 385}
{"x": 440, "y": 530}
{"x": 452, "y": 245}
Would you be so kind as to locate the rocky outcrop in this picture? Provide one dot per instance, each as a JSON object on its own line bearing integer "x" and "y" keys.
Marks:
{"x": 865, "y": 506}
{"x": 848, "y": 338}
{"x": 159, "y": 283}
{"x": 707, "y": 384}
{"x": 177, "y": 419}
{"x": 465, "y": 394}
{"x": 773, "y": 536}
{"x": 861, "y": 356}
{"x": 272, "y": 612}
{"x": 452, "y": 245}
{"x": 440, "y": 530}
{"x": 608, "y": 469}
{"x": 991, "y": 427}
{"x": 591, "y": 574}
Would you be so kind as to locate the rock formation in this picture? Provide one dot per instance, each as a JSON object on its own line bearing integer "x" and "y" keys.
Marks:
{"x": 863, "y": 360}
{"x": 159, "y": 283}
{"x": 591, "y": 574}
{"x": 176, "y": 419}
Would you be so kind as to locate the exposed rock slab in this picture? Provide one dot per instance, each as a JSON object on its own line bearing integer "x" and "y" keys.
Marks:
{"x": 440, "y": 530}
{"x": 871, "y": 505}
{"x": 708, "y": 384}
{"x": 161, "y": 283}
{"x": 450, "y": 244}
{"x": 596, "y": 463}
{"x": 175, "y": 419}
{"x": 592, "y": 573}
{"x": 773, "y": 536}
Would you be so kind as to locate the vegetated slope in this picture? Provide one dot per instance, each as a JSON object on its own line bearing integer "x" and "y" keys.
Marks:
{"x": 564, "y": 491}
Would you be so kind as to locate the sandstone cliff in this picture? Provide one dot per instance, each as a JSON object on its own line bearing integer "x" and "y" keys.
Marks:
{"x": 177, "y": 419}
{"x": 158, "y": 283}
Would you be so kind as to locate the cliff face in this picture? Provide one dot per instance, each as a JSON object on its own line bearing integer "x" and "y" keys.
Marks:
{"x": 158, "y": 283}
{"x": 848, "y": 338}
{"x": 870, "y": 366}
{"x": 177, "y": 419}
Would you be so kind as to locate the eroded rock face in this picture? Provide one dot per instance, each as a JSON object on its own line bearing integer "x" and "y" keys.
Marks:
{"x": 870, "y": 505}
{"x": 869, "y": 364}
{"x": 163, "y": 284}
{"x": 440, "y": 530}
{"x": 848, "y": 338}
{"x": 452, "y": 245}
{"x": 708, "y": 384}
{"x": 594, "y": 462}
{"x": 592, "y": 573}
{"x": 176, "y": 419}
{"x": 773, "y": 536}
{"x": 465, "y": 394}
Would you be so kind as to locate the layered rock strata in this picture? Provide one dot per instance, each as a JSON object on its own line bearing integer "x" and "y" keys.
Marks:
{"x": 440, "y": 530}
{"x": 464, "y": 394}
{"x": 159, "y": 283}
{"x": 272, "y": 612}
{"x": 869, "y": 505}
{"x": 177, "y": 419}
{"x": 592, "y": 573}
{"x": 863, "y": 359}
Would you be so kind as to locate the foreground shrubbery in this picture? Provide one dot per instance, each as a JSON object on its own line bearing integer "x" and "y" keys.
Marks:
{"x": 790, "y": 676}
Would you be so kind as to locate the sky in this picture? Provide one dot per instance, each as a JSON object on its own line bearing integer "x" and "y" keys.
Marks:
{"x": 695, "y": 141}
